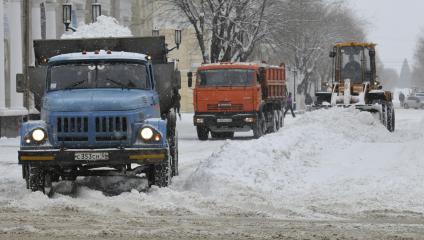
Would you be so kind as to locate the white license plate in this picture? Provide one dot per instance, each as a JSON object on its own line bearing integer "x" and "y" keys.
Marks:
{"x": 99, "y": 156}
{"x": 224, "y": 120}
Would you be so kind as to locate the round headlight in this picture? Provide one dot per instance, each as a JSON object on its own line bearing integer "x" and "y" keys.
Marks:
{"x": 146, "y": 133}
{"x": 38, "y": 135}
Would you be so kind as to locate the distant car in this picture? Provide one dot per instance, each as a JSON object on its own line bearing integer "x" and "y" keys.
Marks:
{"x": 416, "y": 101}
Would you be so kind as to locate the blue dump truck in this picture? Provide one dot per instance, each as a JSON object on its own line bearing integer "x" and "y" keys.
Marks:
{"x": 105, "y": 110}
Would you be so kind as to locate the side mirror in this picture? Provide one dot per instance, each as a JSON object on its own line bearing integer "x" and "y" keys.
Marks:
{"x": 372, "y": 53}
{"x": 332, "y": 54}
{"x": 190, "y": 79}
{"x": 20, "y": 83}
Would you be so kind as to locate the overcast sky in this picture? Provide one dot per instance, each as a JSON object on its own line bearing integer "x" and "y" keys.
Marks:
{"x": 394, "y": 25}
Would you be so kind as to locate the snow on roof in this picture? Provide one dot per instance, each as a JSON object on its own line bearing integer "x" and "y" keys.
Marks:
{"x": 104, "y": 27}
{"x": 101, "y": 55}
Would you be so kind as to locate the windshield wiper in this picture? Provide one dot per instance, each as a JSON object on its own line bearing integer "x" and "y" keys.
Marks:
{"x": 75, "y": 84}
{"x": 117, "y": 83}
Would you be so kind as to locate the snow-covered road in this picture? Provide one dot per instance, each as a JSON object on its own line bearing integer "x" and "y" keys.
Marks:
{"x": 332, "y": 165}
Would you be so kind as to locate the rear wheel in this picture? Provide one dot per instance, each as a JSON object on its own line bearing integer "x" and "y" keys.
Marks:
{"x": 202, "y": 133}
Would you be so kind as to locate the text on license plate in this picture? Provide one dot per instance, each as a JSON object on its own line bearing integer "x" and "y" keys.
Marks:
{"x": 224, "y": 120}
{"x": 92, "y": 156}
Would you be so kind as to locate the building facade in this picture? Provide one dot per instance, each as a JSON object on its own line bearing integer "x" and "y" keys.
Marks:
{"x": 45, "y": 22}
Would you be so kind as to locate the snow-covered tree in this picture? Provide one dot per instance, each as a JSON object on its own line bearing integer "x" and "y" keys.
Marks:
{"x": 303, "y": 33}
{"x": 405, "y": 75}
{"x": 418, "y": 70}
{"x": 229, "y": 29}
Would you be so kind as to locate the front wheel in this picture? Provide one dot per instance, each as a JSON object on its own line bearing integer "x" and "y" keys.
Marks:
{"x": 39, "y": 180}
{"x": 260, "y": 127}
{"x": 202, "y": 133}
{"x": 174, "y": 154}
{"x": 160, "y": 175}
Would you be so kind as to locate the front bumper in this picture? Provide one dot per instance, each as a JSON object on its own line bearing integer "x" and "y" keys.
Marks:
{"x": 67, "y": 158}
{"x": 224, "y": 122}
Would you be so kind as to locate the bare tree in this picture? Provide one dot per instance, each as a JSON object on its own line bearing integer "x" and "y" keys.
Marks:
{"x": 418, "y": 69}
{"x": 227, "y": 29}
{"x": 303, "y": 32}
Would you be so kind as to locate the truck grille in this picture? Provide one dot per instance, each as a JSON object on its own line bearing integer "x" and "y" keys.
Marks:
{"x": 91, "y": 130}
{"x": 111, "y": 128}
{"x": 226, "y": 106}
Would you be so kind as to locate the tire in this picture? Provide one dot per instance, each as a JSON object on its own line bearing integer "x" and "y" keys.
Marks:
{"x": 174, "y": 155}
{"x": 276, "y": 121}
{"x": 383, "y": 117}
{"x": 39, "y": 180}
{"x": 260, "y": 126}
{"x": 202, "y": 133}
{"x": 281, "y": 117}
{"x": 160, "y": 175}
{"x": 390, "y": 119}
{"x": 406, "y": 106}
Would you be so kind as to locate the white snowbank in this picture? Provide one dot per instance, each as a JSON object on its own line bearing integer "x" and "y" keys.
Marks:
{"x": 326, "y": 164}
{"x": 338, "y": 157}
{"x": 103, "y": 28}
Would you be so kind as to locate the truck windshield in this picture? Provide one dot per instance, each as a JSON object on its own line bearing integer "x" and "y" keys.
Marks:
{"x": 98, "y": 75}
{"x": 227, "y": 77}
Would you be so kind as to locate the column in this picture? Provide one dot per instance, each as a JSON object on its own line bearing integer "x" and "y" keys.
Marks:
{"x": 2, "y": 77}
{"x": 14, "y": 16}
{"x": 35, "y": 25}
{"x": 51, "y": 21}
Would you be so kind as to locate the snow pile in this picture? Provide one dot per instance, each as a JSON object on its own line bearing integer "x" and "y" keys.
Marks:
{"x": 342, "y": 158}
{"x": 103, "y": 28}
{"x": 324, "y": 164}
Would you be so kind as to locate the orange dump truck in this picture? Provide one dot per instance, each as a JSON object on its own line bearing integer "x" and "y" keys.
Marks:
{"x": 236, "y": 97}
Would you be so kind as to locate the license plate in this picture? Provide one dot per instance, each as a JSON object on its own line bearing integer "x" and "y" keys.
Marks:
{"x": 224, "y": 120}
{"x": 99, "y": 156}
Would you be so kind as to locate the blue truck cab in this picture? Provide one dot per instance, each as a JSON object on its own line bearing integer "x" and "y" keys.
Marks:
{"x": 100, "y": 116}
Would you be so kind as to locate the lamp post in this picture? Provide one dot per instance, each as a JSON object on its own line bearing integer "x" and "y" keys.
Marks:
{"x": 155, "y": 32}
{"x": 67, "y": 16}
{"x": 294, "y": 71}
{"x": 96, "y": 11}
{"x": 178, "y": 40}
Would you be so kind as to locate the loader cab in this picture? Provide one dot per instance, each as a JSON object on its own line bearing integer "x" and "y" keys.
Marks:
{"x": 354, "y": 61}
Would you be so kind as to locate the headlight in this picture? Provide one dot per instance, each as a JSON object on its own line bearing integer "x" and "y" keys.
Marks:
{"x": 200, "y": 120}
{"x": 146, "y": 133}
{"x": 38, "y": 135}
{"x": 249, "y": 120}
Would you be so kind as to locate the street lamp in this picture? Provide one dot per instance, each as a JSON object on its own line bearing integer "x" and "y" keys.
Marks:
{"x": 96, "y": 11}
{"x": 178, "y": 40}
{"x": 294, "y": 71}
{"x": 178, "y": 37}
{"x": 155, "y": 32}
{"x": 67, "y": 16}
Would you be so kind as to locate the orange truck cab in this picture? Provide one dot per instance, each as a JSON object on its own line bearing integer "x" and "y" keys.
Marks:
{"x": 231, "y": 97}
